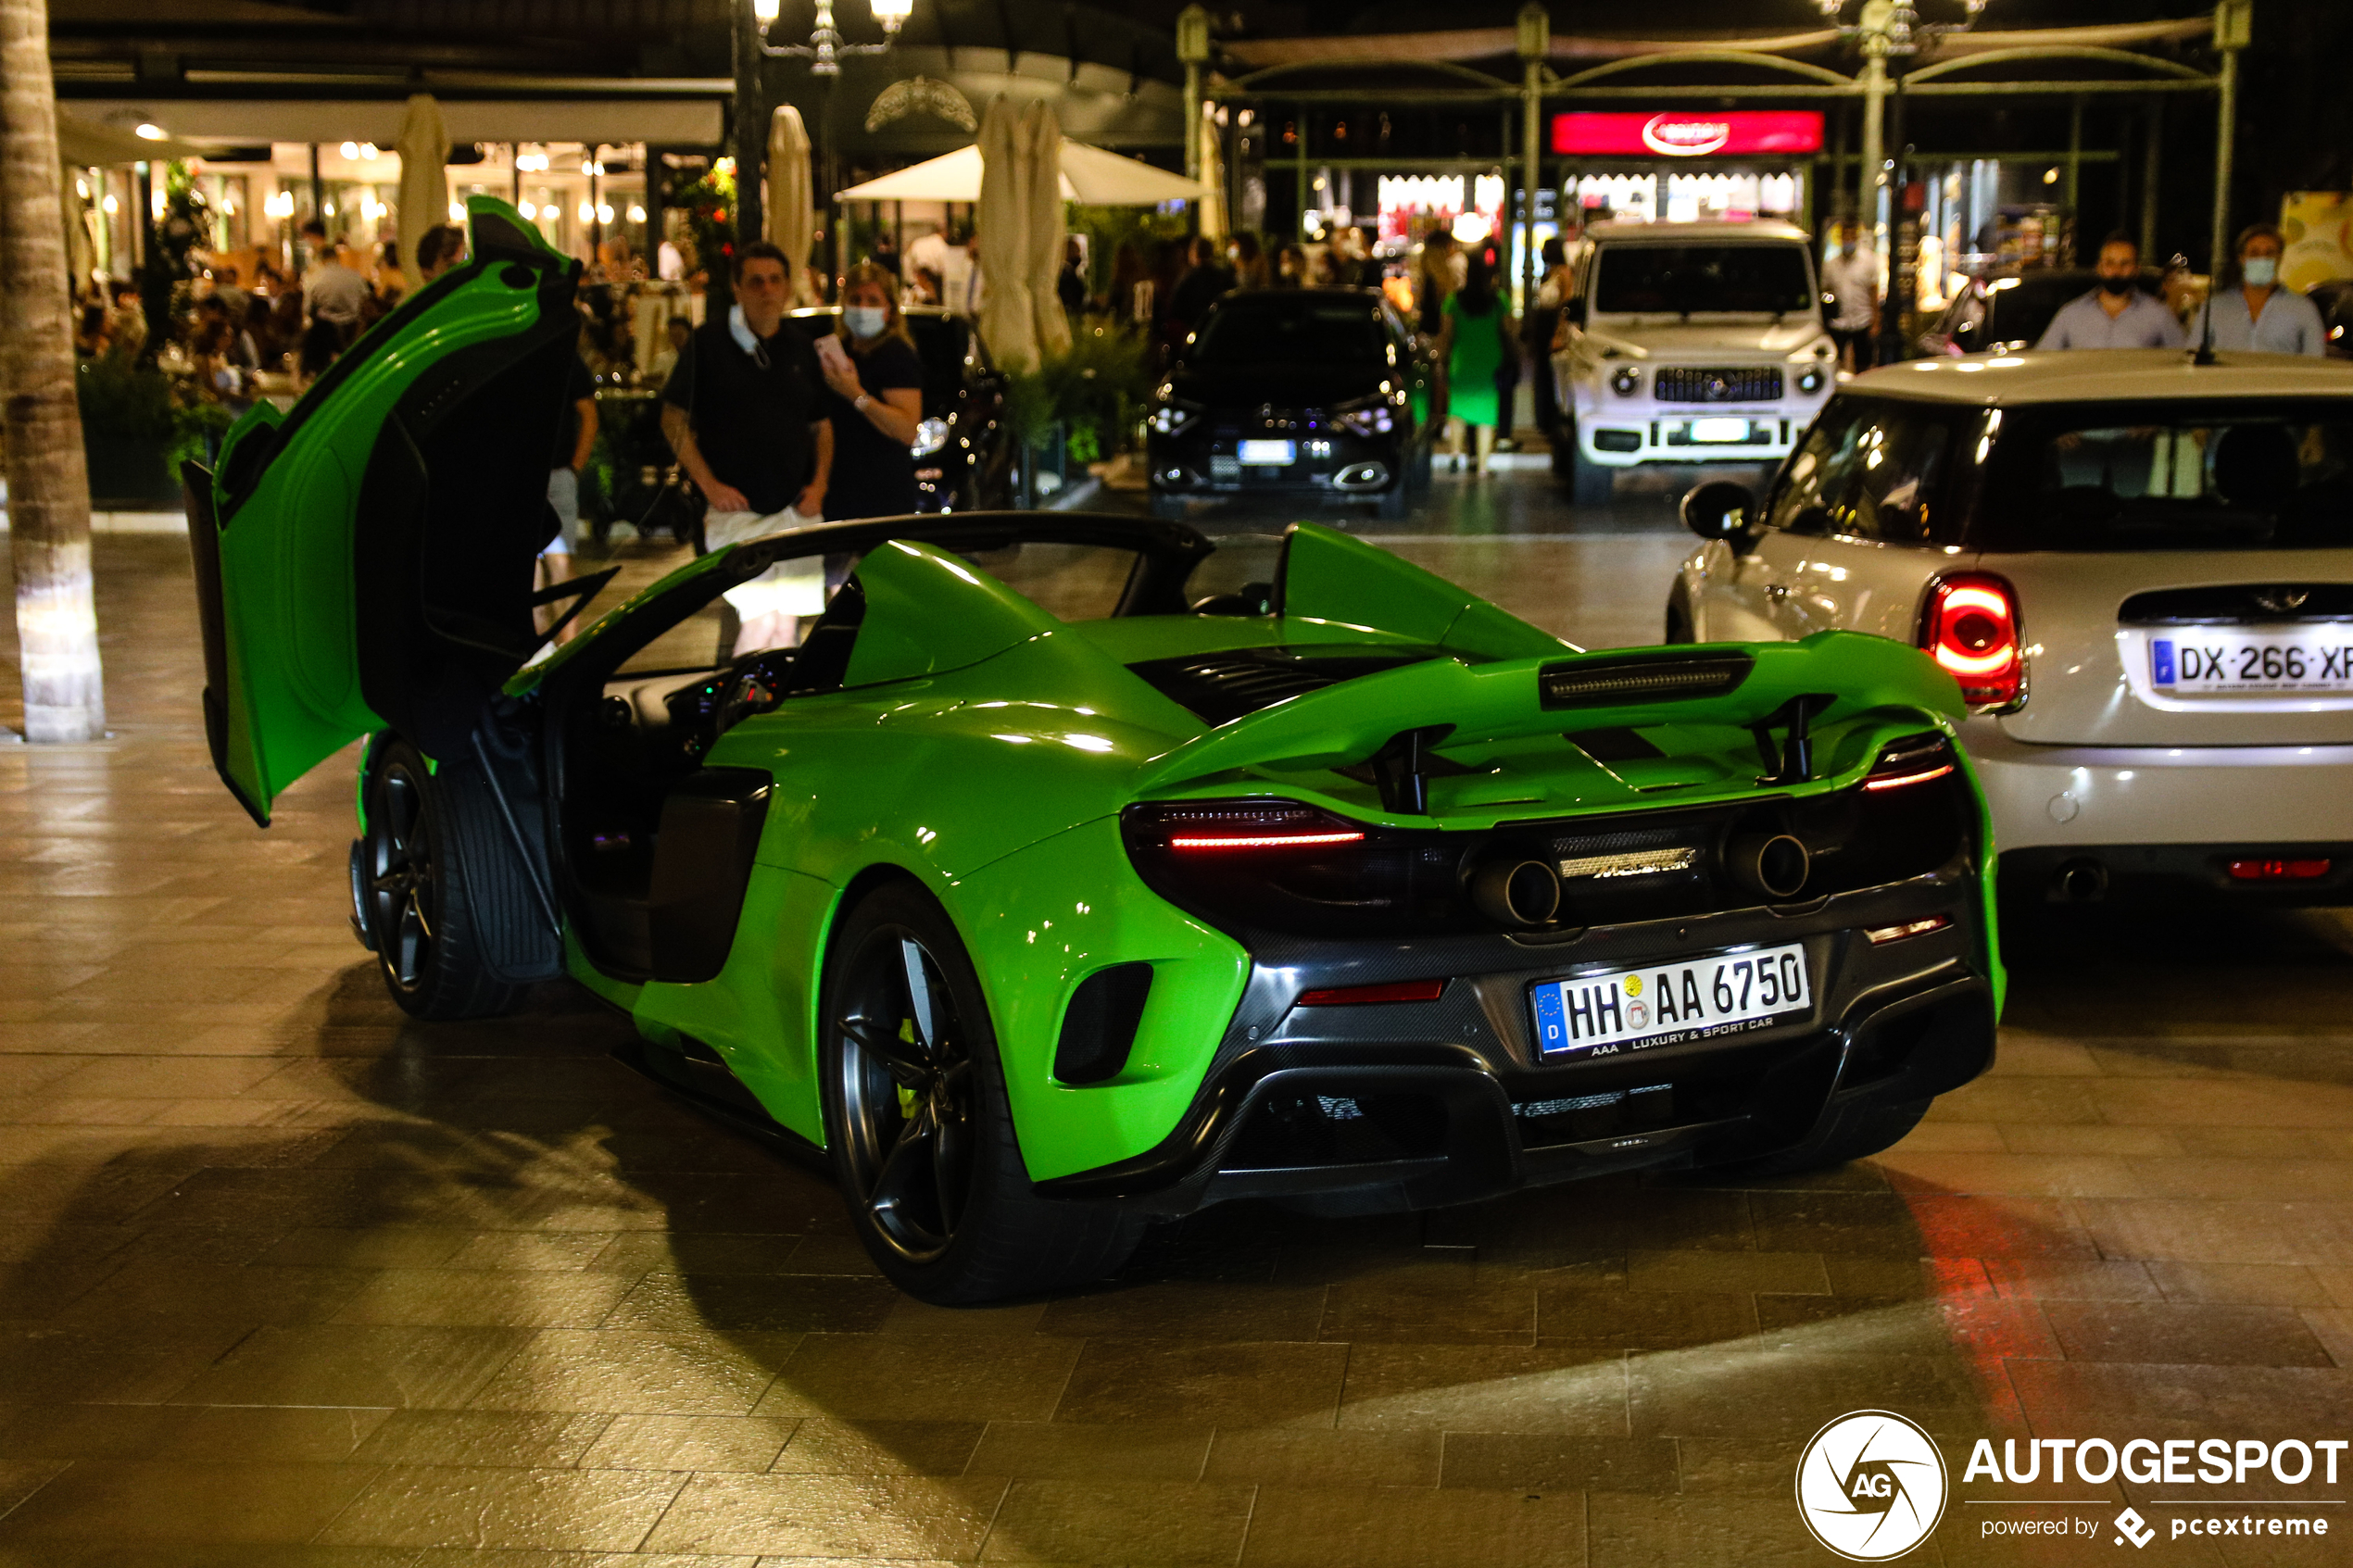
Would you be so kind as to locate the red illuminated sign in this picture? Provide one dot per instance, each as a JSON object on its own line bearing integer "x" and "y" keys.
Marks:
{"x": 1681, "y": 133}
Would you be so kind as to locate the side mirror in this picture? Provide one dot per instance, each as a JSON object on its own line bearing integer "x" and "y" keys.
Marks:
{"x": 1720, "y": 509}
{"x": 1574, "y": 311}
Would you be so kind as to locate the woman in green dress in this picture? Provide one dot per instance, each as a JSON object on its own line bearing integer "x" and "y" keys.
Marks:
{"x": 1478, "y": 335}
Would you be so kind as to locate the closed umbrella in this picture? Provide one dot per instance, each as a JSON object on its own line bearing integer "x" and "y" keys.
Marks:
{"x": 423, "y": 148}
{"x": 792, "y": 221}
{"x": 1007, "y": 323}
{"x": 1043, "y": 135}
{"x": 1213, "y": 179}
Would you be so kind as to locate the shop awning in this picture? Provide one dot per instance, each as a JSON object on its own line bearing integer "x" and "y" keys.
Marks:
{"x": 1089, "y": 175}
{"x": 685, "y": 122}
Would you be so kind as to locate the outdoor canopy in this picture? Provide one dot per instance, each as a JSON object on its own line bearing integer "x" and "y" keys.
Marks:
{"x": 1089, "y": 175}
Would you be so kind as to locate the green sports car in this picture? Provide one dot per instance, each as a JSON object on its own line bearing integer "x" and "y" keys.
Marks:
{"x": 1073, "y": 872}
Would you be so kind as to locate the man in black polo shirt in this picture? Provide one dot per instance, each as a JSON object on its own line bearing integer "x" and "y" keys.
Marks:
{"x": 744, "y": 410}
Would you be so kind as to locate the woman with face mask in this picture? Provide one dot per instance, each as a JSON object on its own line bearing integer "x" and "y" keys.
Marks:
{"x": 874, "y": 384}
{"x": 2261, "y": 314}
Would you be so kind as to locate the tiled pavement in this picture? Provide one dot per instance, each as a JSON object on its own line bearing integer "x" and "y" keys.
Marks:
{"x": 285, "y": 1280}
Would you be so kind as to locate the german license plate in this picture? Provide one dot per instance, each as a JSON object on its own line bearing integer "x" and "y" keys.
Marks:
{"x": 1712, "y": 431}
{"x": 1668, "y": 1003}
{"x": 2290, "y": 658}
{"x": 1268, "y": 454}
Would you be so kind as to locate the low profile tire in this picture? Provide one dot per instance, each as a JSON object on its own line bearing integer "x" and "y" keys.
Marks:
{"x": 1679, "y": 618}
{"x": 1590, "y": 485}
{"x": 1856, "y": 1132}
{"x": 416, "y": 893}
{"x": 919, "y": 1128}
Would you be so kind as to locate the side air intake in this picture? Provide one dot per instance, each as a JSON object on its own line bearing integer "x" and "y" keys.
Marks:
{"x": 1100, "y": 1029}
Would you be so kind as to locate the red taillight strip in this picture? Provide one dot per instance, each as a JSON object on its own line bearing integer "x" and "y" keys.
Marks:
{"x": 2278, "y": 871}
{"x": 1356, "y": 996}
{"x": 1265, "y": 841}
{"x": 1900, "y": 781}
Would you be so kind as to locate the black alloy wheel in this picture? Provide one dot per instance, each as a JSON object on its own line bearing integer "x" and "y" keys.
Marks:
{"x": 906, "y": 1082}
{"x": 402, "y": 890}
{"x": 424, "y": 907}
{"x": 920, "y": 1128}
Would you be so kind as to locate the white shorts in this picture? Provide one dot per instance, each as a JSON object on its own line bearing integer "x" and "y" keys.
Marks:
{"x": 793, "y": 587}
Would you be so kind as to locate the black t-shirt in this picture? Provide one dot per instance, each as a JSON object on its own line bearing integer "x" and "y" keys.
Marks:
{"x": 579, "y": 388}
{"x": 873, "y": 475}
{"x": 751, "y": 419}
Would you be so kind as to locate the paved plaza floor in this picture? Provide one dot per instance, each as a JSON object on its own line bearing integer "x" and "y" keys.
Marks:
{"x": 288, "y": 1280}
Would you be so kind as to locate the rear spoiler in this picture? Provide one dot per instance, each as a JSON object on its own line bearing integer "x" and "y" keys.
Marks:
{"x": 1388, "y": 720}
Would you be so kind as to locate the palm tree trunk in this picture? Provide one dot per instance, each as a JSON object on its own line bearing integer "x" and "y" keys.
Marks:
{"x": 48, "y": 480}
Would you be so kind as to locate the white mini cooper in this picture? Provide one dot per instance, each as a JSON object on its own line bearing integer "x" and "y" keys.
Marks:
{"x": 2140, "y": 570}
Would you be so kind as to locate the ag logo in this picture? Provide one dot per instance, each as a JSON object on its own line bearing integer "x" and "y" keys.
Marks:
{"x": 1870, "y": 1486}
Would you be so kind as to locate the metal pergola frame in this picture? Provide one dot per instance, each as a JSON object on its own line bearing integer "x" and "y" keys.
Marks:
{"x": 1466, "y": 87}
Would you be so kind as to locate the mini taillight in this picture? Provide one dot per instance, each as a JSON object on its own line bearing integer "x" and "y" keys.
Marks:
{"x": 1901, "y": 781}
{"x": 1191, "y": 841}
{"x": 1971, "y": 628}
{"x": 2278, "y": 871}
{"x": 1358, "y": 996}
{"x": 1879, "y": 936}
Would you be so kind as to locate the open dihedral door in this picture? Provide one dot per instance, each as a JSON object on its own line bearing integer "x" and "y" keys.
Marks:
{"x": 365, "y": 562}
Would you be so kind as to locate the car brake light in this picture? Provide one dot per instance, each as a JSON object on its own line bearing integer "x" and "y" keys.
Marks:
{"x": 1357, "y": 996}
{"x": 1900, "y": 781}
{"x": 1972, "y": 630}
{"x": 1261, "y": 840}
{"x": 2278, "y": 871}
{"x": 1879, "y": 936}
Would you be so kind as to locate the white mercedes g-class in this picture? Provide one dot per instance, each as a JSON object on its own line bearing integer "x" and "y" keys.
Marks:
{"x": 1688, "y": 342}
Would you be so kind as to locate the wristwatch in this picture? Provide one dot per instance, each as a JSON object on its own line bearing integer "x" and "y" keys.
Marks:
{"x": 860, "y": 402}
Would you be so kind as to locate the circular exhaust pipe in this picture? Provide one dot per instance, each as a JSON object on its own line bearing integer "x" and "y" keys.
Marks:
{"x": 1775, "y": 865}
{"x": 2078, "y": 882}
{"x": 1516, "y": 892}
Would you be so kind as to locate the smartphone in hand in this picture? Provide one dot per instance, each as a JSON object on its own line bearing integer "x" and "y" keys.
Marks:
{"x": 831, "y": 353}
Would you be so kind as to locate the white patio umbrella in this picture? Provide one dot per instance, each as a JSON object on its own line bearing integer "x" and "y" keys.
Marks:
{"x": 1088, "y": 175}
{"x": 791, "y": 218}
{"x": 1042, "y": 136}
{"x": 1007, "y": 323}
{"x": 423, "y": 148}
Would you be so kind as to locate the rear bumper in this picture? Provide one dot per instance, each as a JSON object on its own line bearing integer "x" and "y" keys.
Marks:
{"x": 2079, "y": 797}
{"x": 1417, "y": 1105}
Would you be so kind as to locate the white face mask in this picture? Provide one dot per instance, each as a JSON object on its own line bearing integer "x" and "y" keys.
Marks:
{"x": 865, "y": 320}
{"x": 2262, "y": 271}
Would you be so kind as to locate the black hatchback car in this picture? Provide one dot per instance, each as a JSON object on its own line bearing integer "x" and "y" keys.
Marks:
{"x": 1293, "y": 394}
{"x": 963, "y": 451}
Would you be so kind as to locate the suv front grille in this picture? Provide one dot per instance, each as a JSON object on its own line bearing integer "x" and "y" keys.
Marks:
{"x": 1729, "y": 384}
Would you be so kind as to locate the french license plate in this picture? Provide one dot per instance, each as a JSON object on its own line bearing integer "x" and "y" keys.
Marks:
{"x": 1668, "y": 1003}
{"x": 1268, "y": 454}
{"x": 2300, "y": 658}
{"x": 1720, "y": 430}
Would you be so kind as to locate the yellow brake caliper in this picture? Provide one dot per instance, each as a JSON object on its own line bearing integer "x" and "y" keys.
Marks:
{"x": 906, "y": 1094}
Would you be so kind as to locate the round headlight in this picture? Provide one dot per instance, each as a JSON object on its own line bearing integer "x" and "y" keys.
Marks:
{"x": 1809, "y": 379}
{"x": 1627, "y": 381}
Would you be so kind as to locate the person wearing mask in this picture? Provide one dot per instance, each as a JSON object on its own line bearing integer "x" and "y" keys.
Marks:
{"x": 1290, "y": 268}
{"x": 744, "y": 412}
{"x": 2261, "y": 314}
{"x": 874, "y": 400}
{"x": 2116, "y": 314}
{"x": 1204, "y": 282}
{"x": 574, "y": 439}
{"x": 1850, "y": 276}
{"x": 439, "y": 249}
{"x": 1070, "y": 283}
{"x": 331, "y": 291}
{"x": 1473, "y": 340}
